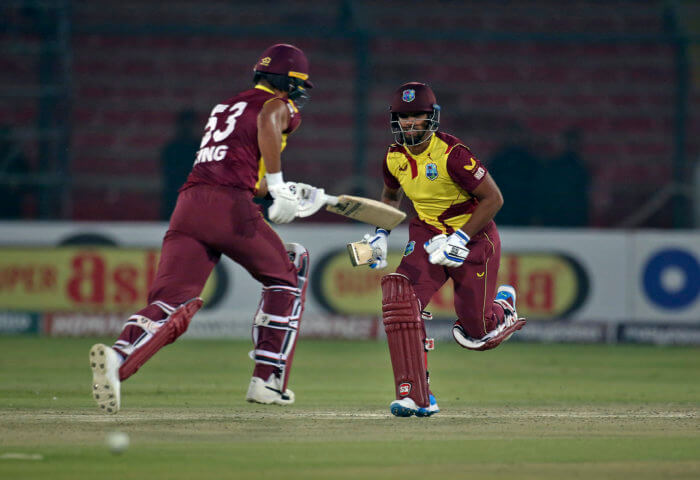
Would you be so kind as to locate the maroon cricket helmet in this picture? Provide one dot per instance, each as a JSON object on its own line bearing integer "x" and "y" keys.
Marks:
{"x": 413, "y": 97}
{"x": 285, "y": 59}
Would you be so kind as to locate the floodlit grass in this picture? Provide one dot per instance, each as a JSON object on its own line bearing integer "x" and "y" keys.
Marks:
{"x": 521, "y": 411}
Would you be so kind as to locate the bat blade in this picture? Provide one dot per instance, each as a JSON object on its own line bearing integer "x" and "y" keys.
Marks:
{"x": 368, "y": 211}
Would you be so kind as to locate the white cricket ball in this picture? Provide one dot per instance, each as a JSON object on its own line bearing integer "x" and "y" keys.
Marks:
{"x": 117, "y": 442}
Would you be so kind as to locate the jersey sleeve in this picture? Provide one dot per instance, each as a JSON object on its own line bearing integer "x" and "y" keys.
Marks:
{"x": 389, "y": 179}
{"x": 465, "y": 169}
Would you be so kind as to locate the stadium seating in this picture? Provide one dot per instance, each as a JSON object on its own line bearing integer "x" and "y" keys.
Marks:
{"x": 532, "y": 62}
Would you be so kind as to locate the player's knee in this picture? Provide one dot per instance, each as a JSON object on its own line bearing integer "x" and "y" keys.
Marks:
{"x": 397, "y": 287}
{"x": 299, "y": 256}
{"x": 294, "y": 277}
{"x": 399, "y": 300}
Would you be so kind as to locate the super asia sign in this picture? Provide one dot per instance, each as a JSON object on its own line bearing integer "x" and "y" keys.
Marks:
{"x": 105, "y": 279}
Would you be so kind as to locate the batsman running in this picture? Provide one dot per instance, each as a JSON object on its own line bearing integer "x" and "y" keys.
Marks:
{"x": 239, "y": 157}
{"x": 453, "y": 236}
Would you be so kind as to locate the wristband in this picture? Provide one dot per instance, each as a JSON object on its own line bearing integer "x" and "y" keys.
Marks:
{"x": 462, "y": 235}
{"x": 274, "y": 179}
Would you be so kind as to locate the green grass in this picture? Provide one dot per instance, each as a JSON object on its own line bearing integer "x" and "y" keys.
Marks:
{"x": 521, "y": 411}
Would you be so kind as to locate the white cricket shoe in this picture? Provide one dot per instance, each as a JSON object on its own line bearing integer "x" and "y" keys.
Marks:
{"x": 105, "y": 378}
{"x": 267, "y": 392}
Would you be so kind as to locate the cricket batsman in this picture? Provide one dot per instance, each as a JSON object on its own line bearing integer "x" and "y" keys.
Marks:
{"x": 239, "y": 157}
{"x": 453, "y": 236}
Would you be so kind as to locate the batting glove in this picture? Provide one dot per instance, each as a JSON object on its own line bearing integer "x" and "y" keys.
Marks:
{"x": 448, "y": 251}
{"x": 311, "y": 199}
{"x": 285, "y": 200}
{"x": 378, "y": 242}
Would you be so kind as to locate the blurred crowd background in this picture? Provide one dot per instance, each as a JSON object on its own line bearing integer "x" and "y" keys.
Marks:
{"x": 587, "y": 113}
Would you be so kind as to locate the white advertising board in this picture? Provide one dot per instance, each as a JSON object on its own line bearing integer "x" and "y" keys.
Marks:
{"x": 576, "y": 275}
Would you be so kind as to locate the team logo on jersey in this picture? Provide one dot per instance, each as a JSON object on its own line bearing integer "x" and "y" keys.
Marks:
{"x": 410, "y": 246}
{"x": 409, "y": 95}
{"x": 431, "y": 171}
{"x": 265, "y": 61}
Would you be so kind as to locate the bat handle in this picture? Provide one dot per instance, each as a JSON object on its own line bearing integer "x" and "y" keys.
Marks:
{"x": 330, "y": 199}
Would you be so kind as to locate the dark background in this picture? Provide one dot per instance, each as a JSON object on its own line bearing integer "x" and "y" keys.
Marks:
{"x": 586, "y": 112}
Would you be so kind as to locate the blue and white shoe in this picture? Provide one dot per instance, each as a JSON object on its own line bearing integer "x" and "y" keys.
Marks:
{"x": 430, "y": 410}
{"x": 506, "y": 293}
{"x": 406, "y": 407}
{"x": 505, "y": 297}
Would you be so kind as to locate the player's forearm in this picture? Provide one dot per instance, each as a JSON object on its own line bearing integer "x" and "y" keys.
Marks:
{"x": 482, "y": 215}
{"x": 392, "y": 197}
{"x": 490, "y": 202}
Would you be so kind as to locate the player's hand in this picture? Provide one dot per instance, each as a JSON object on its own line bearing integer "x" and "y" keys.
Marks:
{"x": 285, "y": 200}
{"x": 448, "y": 251}
{"x": 311, "y": 199}
{"x": 378, "y": 242}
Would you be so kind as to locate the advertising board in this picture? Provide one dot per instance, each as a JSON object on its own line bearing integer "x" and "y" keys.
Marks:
{"x": 68, "y": 278}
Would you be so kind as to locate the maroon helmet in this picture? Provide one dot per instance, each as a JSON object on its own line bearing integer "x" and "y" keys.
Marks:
{"x": 286, "y": 68}
{"x": 414, "y": 97}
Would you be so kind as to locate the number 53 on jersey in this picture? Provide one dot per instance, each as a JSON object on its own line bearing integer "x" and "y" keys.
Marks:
{"x": 215, "y": 152}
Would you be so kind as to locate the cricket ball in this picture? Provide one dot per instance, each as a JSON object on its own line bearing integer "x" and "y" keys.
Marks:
{"x": 117, "y": 442}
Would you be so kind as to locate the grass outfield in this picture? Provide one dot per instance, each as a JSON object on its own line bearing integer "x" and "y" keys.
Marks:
{"x": 521, "y": 411}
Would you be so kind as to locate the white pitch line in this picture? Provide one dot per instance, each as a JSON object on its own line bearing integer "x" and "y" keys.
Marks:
{"x": 21, "y": 456}
{"x": 126, "y": 416}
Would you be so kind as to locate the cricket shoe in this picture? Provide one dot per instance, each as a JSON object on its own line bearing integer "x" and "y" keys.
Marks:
{"x": 407, "y": 407}
{"x": 267, "y": 392}
{"x": 505, "y": 297}
{"x": 106, "y": 387}
{"x": 430, "y": 409}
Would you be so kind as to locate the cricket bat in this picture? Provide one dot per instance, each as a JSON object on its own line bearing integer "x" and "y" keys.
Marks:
{"x": 361, "y": 253}
{"x": 366, "y": 210}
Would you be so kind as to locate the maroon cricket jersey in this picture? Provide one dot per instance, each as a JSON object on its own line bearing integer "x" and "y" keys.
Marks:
{"x": 229, "y": 154}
